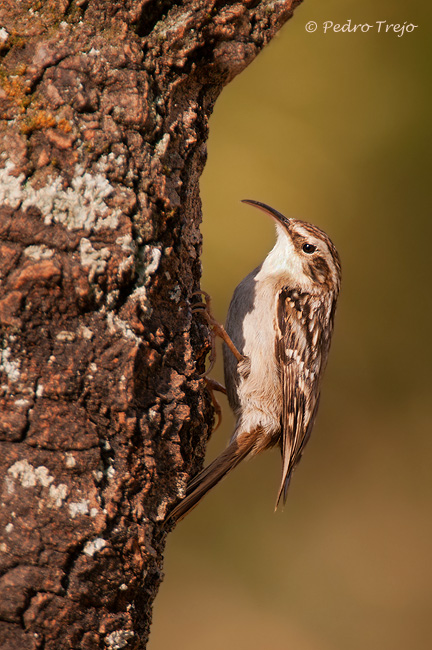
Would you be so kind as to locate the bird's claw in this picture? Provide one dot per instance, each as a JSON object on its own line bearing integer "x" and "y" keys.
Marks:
{"x": 212, "y": 386}
{"x": 216, "y": 329}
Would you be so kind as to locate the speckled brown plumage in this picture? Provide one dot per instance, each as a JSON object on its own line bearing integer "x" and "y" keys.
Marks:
{"x": 281, "y": 321}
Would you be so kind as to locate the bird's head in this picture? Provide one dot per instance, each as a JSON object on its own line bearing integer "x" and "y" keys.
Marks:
{"x": 303, "y": 253}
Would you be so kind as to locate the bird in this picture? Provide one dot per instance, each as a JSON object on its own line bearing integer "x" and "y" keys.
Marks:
{"x": 276, "y": 344}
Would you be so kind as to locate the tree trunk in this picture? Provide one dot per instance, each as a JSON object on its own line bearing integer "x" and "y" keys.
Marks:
{"x": 104, "y": 108}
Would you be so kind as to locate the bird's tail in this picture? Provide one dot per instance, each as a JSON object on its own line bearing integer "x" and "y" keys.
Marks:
{"x": 198, "y": 487}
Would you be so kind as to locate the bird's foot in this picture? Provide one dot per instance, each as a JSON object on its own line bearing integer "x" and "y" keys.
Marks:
{"x": 204, "y": 308}
{"x": 216, "y": 328}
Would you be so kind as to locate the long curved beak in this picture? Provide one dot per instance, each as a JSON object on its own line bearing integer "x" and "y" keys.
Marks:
{"x": 275, "y": 214}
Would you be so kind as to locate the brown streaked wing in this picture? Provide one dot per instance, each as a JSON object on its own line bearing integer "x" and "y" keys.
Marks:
{"x": 300, "y": 381}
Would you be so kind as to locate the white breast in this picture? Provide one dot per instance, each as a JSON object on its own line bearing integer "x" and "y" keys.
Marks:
{"x": 259, "y": 390}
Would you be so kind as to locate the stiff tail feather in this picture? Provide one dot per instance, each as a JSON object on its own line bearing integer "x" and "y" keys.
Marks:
{"x": 292, "y": 451}
{"x": 198, "y": 487}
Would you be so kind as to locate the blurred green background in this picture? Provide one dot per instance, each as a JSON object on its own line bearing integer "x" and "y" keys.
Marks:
{"x": 334, "y": 129}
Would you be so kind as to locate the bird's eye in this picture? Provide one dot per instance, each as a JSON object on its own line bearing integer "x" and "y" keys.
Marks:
{"x": 308, "y": 248}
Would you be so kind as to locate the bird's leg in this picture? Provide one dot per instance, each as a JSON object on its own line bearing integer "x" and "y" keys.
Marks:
{"x": 213, "y": 385}
{"x": 216, "y": 328}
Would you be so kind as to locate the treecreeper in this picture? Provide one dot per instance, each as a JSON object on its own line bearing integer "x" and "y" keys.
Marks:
{"x": 276, "y": 344}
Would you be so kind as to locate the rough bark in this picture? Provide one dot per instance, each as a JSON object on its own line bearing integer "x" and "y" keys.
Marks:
{"x": 104, "y": 108}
